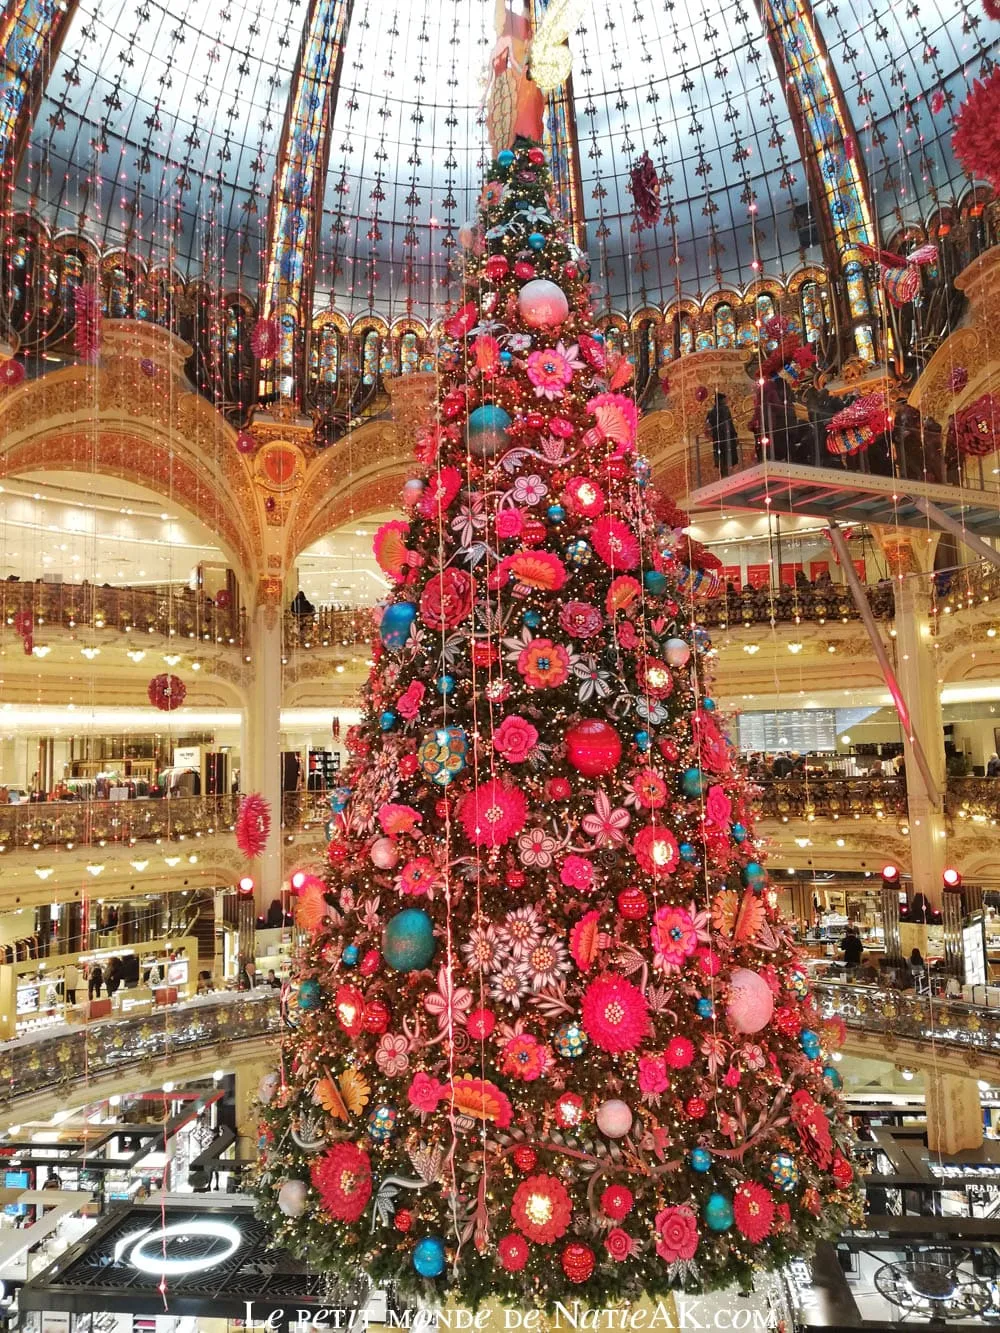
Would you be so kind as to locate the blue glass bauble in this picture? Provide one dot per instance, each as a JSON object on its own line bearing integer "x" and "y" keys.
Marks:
{"x": 505, "y": 159}
{"x": 556, "y": 513}
{"x": 833, "y": 1075}
{"x": 643, "y": 740}
{"x": 310, "y": 993}
{"x": 339, "y": 798}
{"x": 532, "y": 619}
{"x": 700, "y": 1159}
{"x": 597, "y": 335}
{"x": 691, "y": 782}
{"x": 487, "y": 429}
{"x": 739, "y": 833}
{"x": 445, "y": 684}
{"x": 753, "y": 875}
{"x": 783, "y": 1172}
{"x": 687, "y": 851}
{"x": 642, "y": 470}
{"x": 570, "y": 1041}
{"x": 708, "y": 705}
{"x": 536, "y": 240}
{"x": 395, "y": 624}
{"x": 506, "y": 357}
{"x": 701, "y": 639}
{"x": 655, "y": 582}
{"x": 705, "y": 1008}
{"x": 408, "y": 940}
{"x": 809, "y": 1042}
{"x": 387, "y": 720}
{"x": 350, "y": 955}
{"x": 382, "y": 1124}
{"x": 718, "y": 1212}
{"x": 428, "y": 1254}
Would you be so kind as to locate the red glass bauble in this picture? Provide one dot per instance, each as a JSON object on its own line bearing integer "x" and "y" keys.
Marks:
{"x": 593, "y": 747}
{"x": 617, "y": 468}
{"x": 245, "y": 442}
{"x": 515, "y": 879}
{"x": 496, "y": 267}
{"x": 534, "y": 421}
{"x": 525, "y": 1157}
{"x": 669, "y": 751}
{"x": 534, "y": 532}
{"x": 696, "y": 1107}
{"x": 633, "y": 904}
{"x": 11, "y": 373}
{"x": 578, "y": 1262}
{"x": 376, "y": 1016}
{"x": 403, "y": 1220}
{"x": 569, "y": 1110}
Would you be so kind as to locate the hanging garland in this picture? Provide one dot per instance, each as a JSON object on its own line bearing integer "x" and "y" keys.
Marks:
{"x": 166, "y": 692}
{"x": 253, "y": 825}
{"x": 976, "y": 139}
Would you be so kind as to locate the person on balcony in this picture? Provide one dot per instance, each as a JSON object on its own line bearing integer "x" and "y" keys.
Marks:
{"x": 301, "y": 605}
{"x": 722, "y": 430}
{"x": 993, "y": 766}
{"x": 852, "y": 949}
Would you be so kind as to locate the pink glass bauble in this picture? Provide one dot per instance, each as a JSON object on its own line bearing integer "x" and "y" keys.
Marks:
{"x": 292, "y": 1198}
{"x": 385, "y": 853}
{"x": 245, "y": 442}
{"x": 751, "y": 1002}
{"x": 542, "y": 305}
{"x": 593, "y": 747}
{"x": 614, "y": 1118}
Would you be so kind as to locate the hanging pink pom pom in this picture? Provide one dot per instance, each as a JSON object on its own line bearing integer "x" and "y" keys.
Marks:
{"x": 245, "y": 442}
{"x": 937, "y": 102}
{"x": 253, "y": 825}
{"x": 11, "y": 373}
{"x": 265, "y": 339}
{"x": 976, "y": 139}
{"x": 166, "y": 692}
{"x": 87, "y": 331}
{"x": 991, "y": 8}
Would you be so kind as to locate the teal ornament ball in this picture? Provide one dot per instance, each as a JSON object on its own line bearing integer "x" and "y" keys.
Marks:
{"x": 442, "y": 754}
{"x": 656, "y": 583}
{"x": 833, "y": 1075}
{"x": 532, "y": 619}
{"x": 388, "y": 720}
{"x": 687, "y": 851}
{"x": 643, "y": 740}
{"x": 445, "y": 685}
{"x": 339, "y": 798}
{"x": 408, "y": 941}
{"x": 505, "y": 160}
{"x": 536, "y": 240}
{"x": 350, "y": 955}
{"x": 718, "y": 1212}
{"x": 704, "y": 1007}
{"x": 506, "y": 357}
{"x": 394, "y": 628}
{"x": 487, "y": 429}
{"x": 428, "y": 1254}
{"x": 708, "y": 705}
{"x": 310, "y": 993}
{"x": 739, "y": 833}
{"x": 382, "y": 1124}
{"x": 556, "y": 513}
{"x": 692, "y": 782}
{"x": 809, "y": 1042}
{"x": 570, "y": 1041}
{"x": 700, "y": 1159}
{"x": 753, "y": 875}
{"x": 783, "y": 1172}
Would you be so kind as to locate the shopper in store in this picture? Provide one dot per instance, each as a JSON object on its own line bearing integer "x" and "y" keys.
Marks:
{"x": 852, "y": 948}
{"x": 71, "y": 979}
{"x": 867, "y": 972}
{"x": 114, "y": 977}
{"x": 95, "y": 981}
{"x": 993, "y": 766}
{"x": 272, "y": 980}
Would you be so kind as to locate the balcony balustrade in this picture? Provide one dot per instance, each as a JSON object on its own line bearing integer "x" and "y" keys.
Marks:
{"x": 166, "y": 609}
{"x": 832, "y": 797}
{"x": 100, "y": 823}
{"x": 906, "y": 1016}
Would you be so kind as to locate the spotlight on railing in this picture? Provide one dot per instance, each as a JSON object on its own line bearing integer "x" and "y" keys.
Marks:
{"x": 245, "y": 887}
{"x": 951, "y": 878}
{"x": 890, "y": 876}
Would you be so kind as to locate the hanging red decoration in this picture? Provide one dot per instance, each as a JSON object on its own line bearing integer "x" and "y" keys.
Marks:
{"x": 977, "y": 427}
{"x": 87, "y": 328}
{"x": 12, "y": 372}
{"x": 253, "y": 825}
{"x": 265, "y": 339}
{"x": 855, "y": 426}
{"x": 245, "y": 442}
{"x": 976, "y": 139}
{"x": 24, "y": 626}
{"x": 991, "y": 8}
{"x": 645, "y": 186}
{"x": 166, "y": 692}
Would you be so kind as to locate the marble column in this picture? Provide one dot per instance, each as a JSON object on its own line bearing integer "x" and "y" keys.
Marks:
{"x": 262, "y": 756}
{"x": 954, "y": 1115}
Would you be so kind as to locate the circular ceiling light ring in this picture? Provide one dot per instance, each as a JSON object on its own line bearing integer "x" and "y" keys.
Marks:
{"x": 157, "y": 1263}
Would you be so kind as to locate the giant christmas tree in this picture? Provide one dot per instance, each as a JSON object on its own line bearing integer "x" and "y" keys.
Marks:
{"x": 548, "y": 1039}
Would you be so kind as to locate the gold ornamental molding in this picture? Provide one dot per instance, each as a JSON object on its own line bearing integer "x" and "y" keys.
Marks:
{"x": 974, "y": 347}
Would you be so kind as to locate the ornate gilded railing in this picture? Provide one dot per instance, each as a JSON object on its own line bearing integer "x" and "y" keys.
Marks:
{"x": 904, "y": 1015}
{"x": 71, "y": 1059}
{"x": 819, "y": 604}
{"x": 973, "y": 798}
{"x": 169, "y": 610}
{"x": 832, "y": 797}
{"x": 96, "y": 823}
{"x": 962, "y": 589}
{"x": 329, "y": 627}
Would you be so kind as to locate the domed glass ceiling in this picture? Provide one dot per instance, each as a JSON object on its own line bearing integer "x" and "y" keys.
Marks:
{"x": 160, "y": 130}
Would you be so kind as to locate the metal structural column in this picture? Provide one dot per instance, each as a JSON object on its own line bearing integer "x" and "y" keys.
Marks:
{"x": 263, "y": 744}
{"x": 954, "y": 1115}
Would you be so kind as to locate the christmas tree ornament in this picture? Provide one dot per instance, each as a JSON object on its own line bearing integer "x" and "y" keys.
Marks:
{"x": 408, "y": 940}
{"x": 445, "y": 685}
{"x": 718, "y": 1212}
{"x": 569, "y": 1041}
{"x": 593, "y": 747}
{"x": 488, "y": 430}
{"x": 751, "y": 1001}
{"x": 429, "y": 1256}
{"x": 382, "y": 1124}
{"x": 677, "y": 652}
{"x": 350, "y": 955}
{"x": 614, "y": 1118}
{"x": 397, "y": 620}
{"x": 542, "y": 304}
{"x": 442, "y": 754}
{"x": 692, "y": 782}
{"x": 310, "y": 994}
{"x": 809, "y": 1042}
{"x": 292, "y": 1196}
{"x": 783, "y": 1172}
{"x": 385, "y": 853}
{"x": 578, "y": 1262}
{"x": 569, "y": 1110}
{"x": 700, "y": 1160}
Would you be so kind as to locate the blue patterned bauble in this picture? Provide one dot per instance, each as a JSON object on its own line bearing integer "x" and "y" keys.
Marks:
{"x": 445, "y": 685}
{"x": 753, "y": 875}
{"x": 739, "y": 833}
{"x": 718, "y": 1212}
{"x": 798, "y": 984}
{"x": 487, "y": 429}
{"x": 702, "y": 641}
{"x": 642, "y": 470}
{"x": 705, "y": 1007}
{"x": 428, "y": 1254}
{"x": 505, "y": 160}
{"x": 388, "y": 720}
{"x": 382, "y": 1124}
{"x": 809, "y": 1042}
{"x": 700, "y": 1159}
{"x": 350, "y": 955}
{"x": 687, "y": 851}
{"x": 570, "y": 1041}
{"x": 656, "y": 583}
{"x": 310, "y": 993}
{"x": 692, "y": 782}
{"x": 536, "y": 240}
{"x": 783, "y": 1172}
{"x": 578, "y": 553}
{"x": 408, "y": 940}
{"x": 556, "y": 513}
{"x": 833, "y": 1075}
{"x": 443, "y": 754}
{"x": 532, "y": 619}
{"x": 394, "y": 628}
{"x": 708, "y": 705}
{"x": 643, "y": 740}
{"x": 339, "y": 798}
